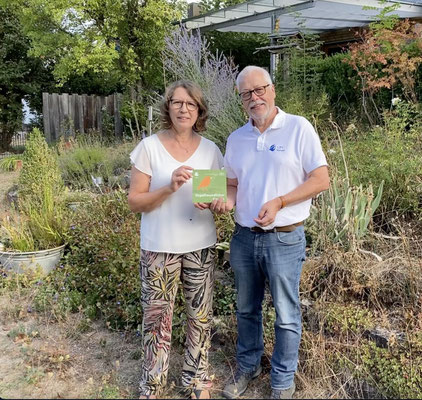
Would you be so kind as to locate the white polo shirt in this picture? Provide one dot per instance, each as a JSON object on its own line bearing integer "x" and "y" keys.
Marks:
{"x": 271, "y": 164}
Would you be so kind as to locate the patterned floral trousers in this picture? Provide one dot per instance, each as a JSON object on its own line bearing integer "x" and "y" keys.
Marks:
{"x": 160, "y": 276}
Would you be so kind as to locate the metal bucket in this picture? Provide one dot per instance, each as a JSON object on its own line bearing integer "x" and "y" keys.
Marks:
{"x": 22, "y": 261}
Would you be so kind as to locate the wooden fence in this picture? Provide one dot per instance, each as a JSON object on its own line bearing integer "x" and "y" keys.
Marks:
{"x": 65, "y": 114}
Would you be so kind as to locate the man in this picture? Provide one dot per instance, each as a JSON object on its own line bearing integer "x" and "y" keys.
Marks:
{"x": 274, "y": 166}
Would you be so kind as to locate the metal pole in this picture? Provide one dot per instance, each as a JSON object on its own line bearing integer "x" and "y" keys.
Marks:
{"x": 149, "y": 125}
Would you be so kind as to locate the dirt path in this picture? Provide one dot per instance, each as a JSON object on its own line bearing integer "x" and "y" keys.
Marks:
{"x": 78, "y": 358}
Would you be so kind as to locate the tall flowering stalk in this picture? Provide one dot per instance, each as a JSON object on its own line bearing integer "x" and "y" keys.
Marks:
{"x": 186, "y": 56}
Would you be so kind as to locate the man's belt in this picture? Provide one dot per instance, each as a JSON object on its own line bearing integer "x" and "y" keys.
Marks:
{"x": 286, "y": 228}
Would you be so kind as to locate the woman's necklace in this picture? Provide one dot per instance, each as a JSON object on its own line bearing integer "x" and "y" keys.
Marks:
{"x": 186, "y": 149}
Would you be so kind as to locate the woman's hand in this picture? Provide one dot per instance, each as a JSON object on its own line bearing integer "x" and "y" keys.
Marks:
{"x": 180, "y": 176}
{"x": 202, "y": 206}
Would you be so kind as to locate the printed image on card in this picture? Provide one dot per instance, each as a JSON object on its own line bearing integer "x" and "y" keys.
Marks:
{"x": 208, "y": 184}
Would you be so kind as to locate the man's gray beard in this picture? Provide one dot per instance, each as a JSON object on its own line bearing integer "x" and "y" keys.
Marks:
{"x": 259, "y": 121}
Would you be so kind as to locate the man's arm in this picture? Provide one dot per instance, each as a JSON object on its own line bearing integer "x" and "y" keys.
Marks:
{"x": 316, "y": 182}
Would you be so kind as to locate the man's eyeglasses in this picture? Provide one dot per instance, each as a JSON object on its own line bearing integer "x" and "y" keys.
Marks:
{"x": 178, "y": 104}
{"x": 259, "y": 91}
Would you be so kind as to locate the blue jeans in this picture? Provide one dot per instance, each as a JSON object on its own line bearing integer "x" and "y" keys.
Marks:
{"x": 276, "y": 257}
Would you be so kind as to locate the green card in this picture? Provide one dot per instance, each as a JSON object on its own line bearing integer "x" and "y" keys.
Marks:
{"x": 208, "y": 184}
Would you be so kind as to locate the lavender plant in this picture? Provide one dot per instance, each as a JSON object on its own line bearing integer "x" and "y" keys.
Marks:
{"x": 186, "y": 56}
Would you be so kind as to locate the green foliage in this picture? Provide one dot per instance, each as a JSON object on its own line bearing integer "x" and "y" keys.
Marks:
{"x": 342, "y": 214}
{"x": 224, "y": 298}
{"x": 20, "y": 74}
{"x": 135, "y": 114}
{"x": 88, "y": 158}
{"x": 395, "y": 371}
{"x": 392, "y": 154}
{"x": 239, "y": 47}
{"x": 103, "y": 261}
{"x": 299, "y": 82}
{"x": 42, "y": 222}
{"x": 17, "y": 234}
{"x": 339, "y": 81}
{"x": 387, "y": 60}
{"x": 187, "y": 56}
{"x": 225, "y": 226}
{"x": 120, "y": 40}
{"x": 346, "y": 318}
{"x": 40, "y": 180}
{"x": 10, "y": 163}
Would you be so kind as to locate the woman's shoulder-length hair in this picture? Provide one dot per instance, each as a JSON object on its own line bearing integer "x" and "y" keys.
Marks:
{"x": 195, "y": 92}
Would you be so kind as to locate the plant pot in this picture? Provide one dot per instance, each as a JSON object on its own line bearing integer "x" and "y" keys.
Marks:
{"x": 18, "y": 165}
{"x": 22, "y": 261}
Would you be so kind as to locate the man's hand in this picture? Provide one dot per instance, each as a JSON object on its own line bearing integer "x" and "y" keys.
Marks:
{"x": 268, "y": 212}
{"x": 219, "y": 206}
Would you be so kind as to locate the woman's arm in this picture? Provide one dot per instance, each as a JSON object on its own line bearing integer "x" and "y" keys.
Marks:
{"x": 140, "y": 199}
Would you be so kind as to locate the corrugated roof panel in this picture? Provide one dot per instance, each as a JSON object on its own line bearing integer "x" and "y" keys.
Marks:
{"x": 314, "y": 15}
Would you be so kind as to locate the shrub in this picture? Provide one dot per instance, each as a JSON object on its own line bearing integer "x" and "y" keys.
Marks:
{"x": 299, "y": 86}
{"x": 395, "y": 371}
{"x": 40, "y": 183}
{"x": 88, "y": 158}
{"x": 104, "y": 257}
{"x": 339, "y": 82}
{"x": 42, "y": 222}
{"x": 390, "y": 155}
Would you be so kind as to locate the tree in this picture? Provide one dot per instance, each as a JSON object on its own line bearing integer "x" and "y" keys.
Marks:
{"x": 238, "y": 46}
{"x": 20, "y": 75}
{"x": 389, "y": 58}
{"x": 84, "y": 37}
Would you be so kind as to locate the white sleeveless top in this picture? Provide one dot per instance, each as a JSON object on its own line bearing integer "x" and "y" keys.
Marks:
{"x": 176, "y": 226}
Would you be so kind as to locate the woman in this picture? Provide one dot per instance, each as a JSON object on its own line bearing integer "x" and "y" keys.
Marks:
{"x": 177, "y": 238}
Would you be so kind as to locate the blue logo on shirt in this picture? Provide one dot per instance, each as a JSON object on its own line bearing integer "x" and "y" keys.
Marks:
{"x": 272, "y": 147}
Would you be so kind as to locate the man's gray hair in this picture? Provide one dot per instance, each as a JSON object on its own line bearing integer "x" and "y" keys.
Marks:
{"x": 250, "y": 69}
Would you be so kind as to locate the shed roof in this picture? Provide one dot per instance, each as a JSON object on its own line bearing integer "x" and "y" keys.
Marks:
{"x": 293, "y": 16}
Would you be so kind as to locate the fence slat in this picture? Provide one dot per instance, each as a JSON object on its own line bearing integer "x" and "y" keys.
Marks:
{"x": 118, "y": 129}
{"x": 46, "y": 116}
{"x": 55, "y": 117}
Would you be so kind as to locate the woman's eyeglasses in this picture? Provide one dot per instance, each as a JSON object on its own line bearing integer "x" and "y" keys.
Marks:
{"x": 178, "y": 104}
{"x": 259, "y": 91}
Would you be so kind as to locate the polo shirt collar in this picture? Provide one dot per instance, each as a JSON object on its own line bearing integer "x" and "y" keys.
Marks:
{"x": 277, "y": 121}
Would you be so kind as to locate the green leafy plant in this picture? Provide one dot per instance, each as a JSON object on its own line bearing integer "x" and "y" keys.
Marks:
{"x": 89, "y": 158}
{"x": 343, "y": 213}
{"x": 390, "y": 153}
{"x": 103, "y": 261}
{"x": 42, "y": 221}
{"x": 299, "y": 82}
{"x": 10, "y": 163}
